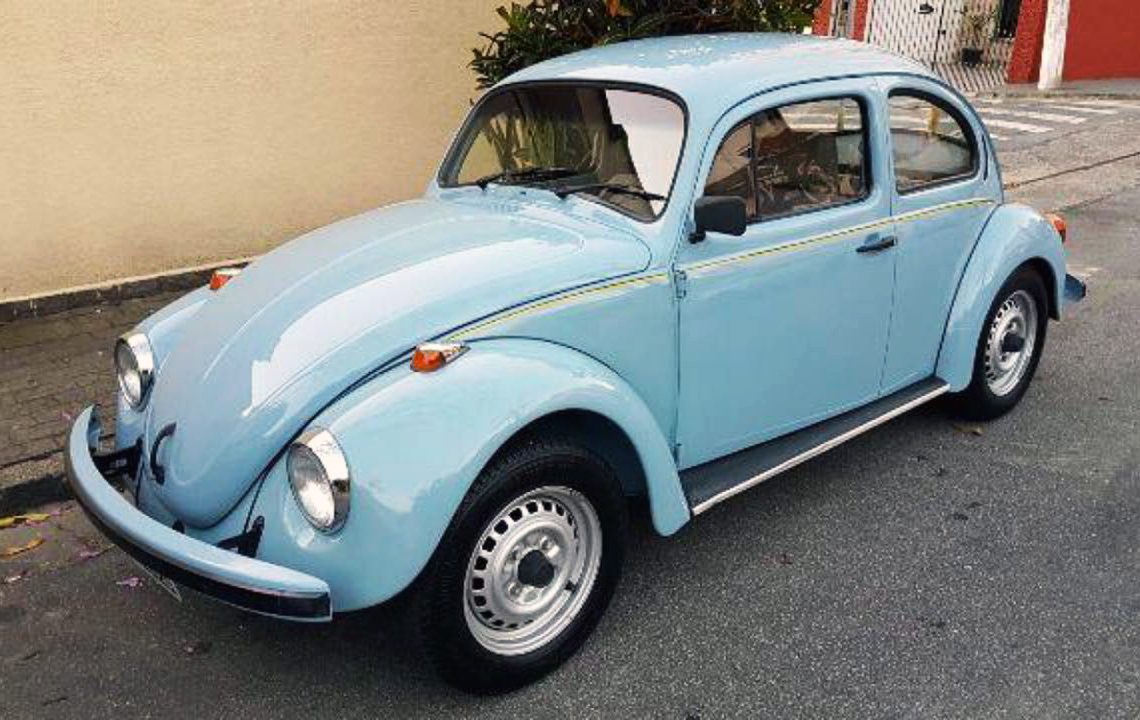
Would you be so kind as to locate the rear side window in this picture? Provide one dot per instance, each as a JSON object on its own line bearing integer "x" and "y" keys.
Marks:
{"x": 930, "y": 142}
{"x": 794, "y": 158}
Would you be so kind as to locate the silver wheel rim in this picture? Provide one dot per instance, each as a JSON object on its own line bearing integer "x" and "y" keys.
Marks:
{"x": 532, "y": 570}
{"x": 1010, "y": 343}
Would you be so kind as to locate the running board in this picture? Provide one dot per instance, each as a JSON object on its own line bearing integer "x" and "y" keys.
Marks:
{"x": 716, "y": 481}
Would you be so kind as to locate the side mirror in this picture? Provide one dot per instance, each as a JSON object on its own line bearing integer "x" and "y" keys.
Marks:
{"x": 719, "y": 213}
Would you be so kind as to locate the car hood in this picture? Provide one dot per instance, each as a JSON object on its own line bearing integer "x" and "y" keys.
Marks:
{"x": 296, "y": 328}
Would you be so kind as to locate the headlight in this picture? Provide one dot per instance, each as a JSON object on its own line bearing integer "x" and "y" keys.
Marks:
{"x": 318, "y": 472}
{"x": 134, "y": 364}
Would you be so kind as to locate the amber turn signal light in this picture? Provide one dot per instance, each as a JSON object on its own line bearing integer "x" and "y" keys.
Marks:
{"x": 1058, "y": 223}
{"x": 222, "y": 276}
{"x": 430, "y": 357}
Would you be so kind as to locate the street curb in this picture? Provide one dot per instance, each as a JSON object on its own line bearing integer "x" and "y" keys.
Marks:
{"x": 1015, "y": 184}
{"x": 113, "y": 291}
{"x": 1055, "y": 94}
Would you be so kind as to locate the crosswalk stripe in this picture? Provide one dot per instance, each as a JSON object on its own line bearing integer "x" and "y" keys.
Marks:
{"x": 1108, "y": 103}
{"x": 1089, "y": 110}
{"x": 1009, "y": 125}
{"x": 1048, "y": 117}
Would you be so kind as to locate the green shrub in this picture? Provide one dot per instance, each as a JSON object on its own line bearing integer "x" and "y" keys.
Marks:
{"x": 543, "y": 29}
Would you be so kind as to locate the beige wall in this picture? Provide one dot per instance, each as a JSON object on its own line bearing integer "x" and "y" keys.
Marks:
{"x": 141, "y": 136}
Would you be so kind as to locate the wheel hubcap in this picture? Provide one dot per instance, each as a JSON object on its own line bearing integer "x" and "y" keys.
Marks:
{"x": 532, "y": 570}
{"x": 1010, "y": 343}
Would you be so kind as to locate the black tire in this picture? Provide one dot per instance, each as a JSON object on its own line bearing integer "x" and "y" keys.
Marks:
{"x": 440, "y": 596}
{"x": 978, "y": 401}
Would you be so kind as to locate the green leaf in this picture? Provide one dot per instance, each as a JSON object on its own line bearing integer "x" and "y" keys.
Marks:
{"x": 541, "y": 29}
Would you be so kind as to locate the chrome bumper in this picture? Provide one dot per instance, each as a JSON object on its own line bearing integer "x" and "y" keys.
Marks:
{"x": 227, "y": 576}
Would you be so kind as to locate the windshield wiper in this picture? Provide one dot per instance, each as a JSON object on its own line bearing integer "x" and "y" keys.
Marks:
{"x": 567, "y": 190}
{"x": 530, "y": 173}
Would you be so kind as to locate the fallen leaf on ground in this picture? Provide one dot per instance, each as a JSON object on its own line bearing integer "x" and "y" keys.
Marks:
{"x": 975, "y": 430}
{"x": 17, "y": 549}
{"x": 14, "y": 520}
{"x": 87, "y": 554}
{"x": 16, "y": 578}
{"x": 133, "y": 581}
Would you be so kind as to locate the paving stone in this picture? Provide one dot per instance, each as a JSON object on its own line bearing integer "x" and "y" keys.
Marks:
{"x": 53, "y": 366}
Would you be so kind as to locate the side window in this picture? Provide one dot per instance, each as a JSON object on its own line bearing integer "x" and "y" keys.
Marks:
{"x": 931, "y": 144}
{"x": 731, "y": 172}
{"x": 794, "y": 158}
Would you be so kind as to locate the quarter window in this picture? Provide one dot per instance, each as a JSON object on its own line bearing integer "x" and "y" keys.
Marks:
{"x": 794, "y": 158}
{"x": 931, "y": 144}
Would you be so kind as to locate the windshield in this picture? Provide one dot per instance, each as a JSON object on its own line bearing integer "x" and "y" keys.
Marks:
{"x": 616, "y": 146}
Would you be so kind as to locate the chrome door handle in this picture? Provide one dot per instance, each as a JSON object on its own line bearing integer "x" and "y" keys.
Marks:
{"x": 875, "y": 245}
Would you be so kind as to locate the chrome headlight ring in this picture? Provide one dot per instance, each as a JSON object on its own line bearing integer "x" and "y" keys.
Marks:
{"x": 319, "y": 475}
{"x": 134, "y": 368}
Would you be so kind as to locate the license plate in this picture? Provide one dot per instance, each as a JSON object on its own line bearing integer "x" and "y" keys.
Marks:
{"x": 165, "y": 583}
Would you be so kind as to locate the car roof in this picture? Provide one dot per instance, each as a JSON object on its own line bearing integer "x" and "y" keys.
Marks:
{"x": 720, "y": 69}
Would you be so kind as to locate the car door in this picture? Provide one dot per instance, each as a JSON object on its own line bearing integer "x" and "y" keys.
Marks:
{"x": 787, "y": 324}
{"x": 943, "y": 194}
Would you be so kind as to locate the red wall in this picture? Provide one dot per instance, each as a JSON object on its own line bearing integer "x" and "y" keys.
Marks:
{"x": 861, "y": 19}
{"x": 1104, "y": 40}
{"x": 1025, "y": 63}
{"x": 821, "y": 25}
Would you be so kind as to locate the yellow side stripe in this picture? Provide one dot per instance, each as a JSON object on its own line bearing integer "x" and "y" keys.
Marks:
{"x": 836, "y": 235}
{"x": 559, "y": 301}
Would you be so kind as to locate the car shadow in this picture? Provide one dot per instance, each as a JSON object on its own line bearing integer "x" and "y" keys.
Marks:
{"x": 749, "y": 546}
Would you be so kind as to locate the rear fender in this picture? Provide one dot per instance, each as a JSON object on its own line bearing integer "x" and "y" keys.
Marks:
{"x": 1015, "y": 235}
{"x": 415, "y": 443}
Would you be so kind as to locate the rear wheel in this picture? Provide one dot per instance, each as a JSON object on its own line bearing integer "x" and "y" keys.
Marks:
{"x": 1009, "y": 349}
{"x": 526, "y": 568}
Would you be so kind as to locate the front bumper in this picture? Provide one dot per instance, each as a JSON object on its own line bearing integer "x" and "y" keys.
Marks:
{"x": 1075, "y": 290}
{"x": 241, "y": 581}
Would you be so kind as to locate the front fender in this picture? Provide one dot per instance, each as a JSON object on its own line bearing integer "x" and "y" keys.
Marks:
{"x": 1014, "y": 235}
{"x": 416, "y": 442}
{"x": 163, "y": 328}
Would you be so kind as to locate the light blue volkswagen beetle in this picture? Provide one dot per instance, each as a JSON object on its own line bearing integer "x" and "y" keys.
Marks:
{"x": 672, "y": 268}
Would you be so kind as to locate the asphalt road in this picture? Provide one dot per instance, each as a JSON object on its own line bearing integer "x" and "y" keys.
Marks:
{"x": 1023, "y": 122}
{"x": 926, "y": 569}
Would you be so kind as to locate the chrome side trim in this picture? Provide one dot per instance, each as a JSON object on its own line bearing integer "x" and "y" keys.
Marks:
{"x": 817, "y": 450}
{"x": 703, "y": 266}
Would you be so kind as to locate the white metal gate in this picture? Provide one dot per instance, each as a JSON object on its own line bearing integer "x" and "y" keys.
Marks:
{"x": 967, "y": 42}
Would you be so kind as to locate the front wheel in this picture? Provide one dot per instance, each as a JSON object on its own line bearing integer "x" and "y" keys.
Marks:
{"x": 1009, "y": 349}
{"x": 526, "y": 568}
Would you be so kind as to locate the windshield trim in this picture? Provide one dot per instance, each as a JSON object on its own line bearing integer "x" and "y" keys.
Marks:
{"x": 450, "y": 158}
